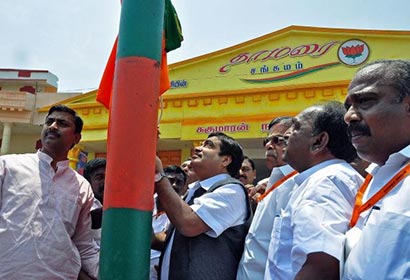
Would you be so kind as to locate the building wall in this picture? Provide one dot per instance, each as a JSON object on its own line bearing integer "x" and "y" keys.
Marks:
{"x": 23, "y": 143}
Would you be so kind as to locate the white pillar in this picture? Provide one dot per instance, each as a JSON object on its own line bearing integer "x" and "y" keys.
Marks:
{"x": 5, "y": 143}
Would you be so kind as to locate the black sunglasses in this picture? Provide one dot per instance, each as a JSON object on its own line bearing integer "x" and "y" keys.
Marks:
{"x": 276, "y": 139}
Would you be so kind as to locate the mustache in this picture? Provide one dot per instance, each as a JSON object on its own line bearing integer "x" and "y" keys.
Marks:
{"x": 243, "y": 176}
{"x": 359, "y": 128}
{"x": 52, "y": 133}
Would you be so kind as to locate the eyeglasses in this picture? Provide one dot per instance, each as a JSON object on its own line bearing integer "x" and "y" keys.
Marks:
{"x": 276, "y": 139}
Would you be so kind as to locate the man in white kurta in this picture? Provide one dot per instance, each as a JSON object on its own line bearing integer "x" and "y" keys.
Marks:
{"x": 45, "y": 225}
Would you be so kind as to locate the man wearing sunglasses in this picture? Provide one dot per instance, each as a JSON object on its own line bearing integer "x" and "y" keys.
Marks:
{"x": 269, "y": 204}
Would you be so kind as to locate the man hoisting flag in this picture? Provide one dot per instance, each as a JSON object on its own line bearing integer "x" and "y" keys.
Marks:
{"x": 135, "y": 75}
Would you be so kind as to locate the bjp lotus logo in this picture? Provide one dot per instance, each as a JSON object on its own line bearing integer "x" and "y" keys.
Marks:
{"x": 353, "y": 52}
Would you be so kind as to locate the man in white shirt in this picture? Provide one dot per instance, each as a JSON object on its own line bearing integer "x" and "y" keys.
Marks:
{"x": 45, "y": 225}
{"x": 210, "y": 227}
{"x": 307, "y": 239}
{"x": 378, "y": 116}
{"x": 255, "y": 254}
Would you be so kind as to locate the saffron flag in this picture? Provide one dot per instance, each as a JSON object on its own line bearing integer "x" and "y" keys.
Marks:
{"x": 171, "y": 41}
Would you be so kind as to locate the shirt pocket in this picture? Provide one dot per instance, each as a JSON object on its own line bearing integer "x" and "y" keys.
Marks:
{"x": 386, "y": 245}
{"x": 274, "y": 245}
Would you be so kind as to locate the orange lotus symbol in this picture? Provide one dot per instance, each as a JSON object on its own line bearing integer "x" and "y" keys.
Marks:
{"x": 353, "y": 51}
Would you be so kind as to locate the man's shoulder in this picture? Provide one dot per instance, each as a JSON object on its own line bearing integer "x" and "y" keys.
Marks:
{"x": 227, "y": 181}
{"x": 18, "y": 158}
{"x": 335, "y": 169}
{"x": 341, "y": 175}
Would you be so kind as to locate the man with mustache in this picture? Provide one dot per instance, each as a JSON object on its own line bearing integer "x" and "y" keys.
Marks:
{"x": 45, "y": 225}
{"x": 210, "y": 225}
{"x": 378, "y": 116}
{"x": 273, "y": 154}
{"x": 307, "y": 239}
{"x": 255, "y": 254}
{"x": 247, "y": 173}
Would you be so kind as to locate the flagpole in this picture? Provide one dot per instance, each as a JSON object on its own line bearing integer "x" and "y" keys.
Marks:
{"x": 128, "y": 198}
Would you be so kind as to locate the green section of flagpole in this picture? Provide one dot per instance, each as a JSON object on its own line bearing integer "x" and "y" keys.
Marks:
{"x": 126, "y": 250}
{"x": 141, "y": 27}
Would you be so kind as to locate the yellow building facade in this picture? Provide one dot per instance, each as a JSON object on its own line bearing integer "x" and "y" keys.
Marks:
{"x": 240, "y": 89}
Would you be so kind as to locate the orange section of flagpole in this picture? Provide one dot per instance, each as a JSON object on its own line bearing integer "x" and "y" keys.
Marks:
{"x": 132, "y": 134}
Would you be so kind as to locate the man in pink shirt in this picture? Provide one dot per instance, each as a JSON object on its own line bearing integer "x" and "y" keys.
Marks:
{"x": 45, "y": 225}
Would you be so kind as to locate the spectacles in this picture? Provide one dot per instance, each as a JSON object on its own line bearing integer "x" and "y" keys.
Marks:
{"x": 276, "y": 139}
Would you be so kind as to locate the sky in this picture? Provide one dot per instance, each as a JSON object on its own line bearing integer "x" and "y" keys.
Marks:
{"x": 73, "y": 38}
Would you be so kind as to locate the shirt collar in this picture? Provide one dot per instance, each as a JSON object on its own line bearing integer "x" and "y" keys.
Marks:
{"x": 207, "y": 183}
{"x": 285, "y": 169}
{"x": 46, "y": 158}
{"x": 300, "y": 178}
{"x": 401, "y": 157}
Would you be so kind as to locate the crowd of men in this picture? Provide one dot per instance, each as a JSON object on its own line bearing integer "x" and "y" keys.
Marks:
{"x": 335, "y": 205}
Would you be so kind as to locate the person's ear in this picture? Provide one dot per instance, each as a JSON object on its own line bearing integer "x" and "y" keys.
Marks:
{"x": 320, "y": 142}
{"x": 407, "y": 104}
{"x": 226, "y": 161}
{"x": 77, "y": 139}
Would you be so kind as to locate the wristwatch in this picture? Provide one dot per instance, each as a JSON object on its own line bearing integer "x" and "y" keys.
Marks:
{"x": 158, "y": 177}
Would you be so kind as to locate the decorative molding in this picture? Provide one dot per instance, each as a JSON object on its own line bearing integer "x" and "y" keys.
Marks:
{"x": 207, "y": 101}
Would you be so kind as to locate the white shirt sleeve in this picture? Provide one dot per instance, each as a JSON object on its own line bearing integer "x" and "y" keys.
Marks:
{"x": 223, "y": 208}
{"x": 316, "y": 229}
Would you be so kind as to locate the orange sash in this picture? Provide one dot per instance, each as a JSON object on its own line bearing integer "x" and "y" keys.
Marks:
{"x": 277, "y": 184}
{"x": 359, "y": 207}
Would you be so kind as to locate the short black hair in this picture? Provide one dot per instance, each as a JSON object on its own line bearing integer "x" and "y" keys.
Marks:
{"x": 230, "y": 147}
{"x": 329, "y": 118}
{"x": 93, "y": 165}
{"x": 250, "y": 161}
{"x": 176, "y": 169}
{"x": 285, "y": 120}
{"x": 393, "y": 72}
{"x": 63, "y": 108}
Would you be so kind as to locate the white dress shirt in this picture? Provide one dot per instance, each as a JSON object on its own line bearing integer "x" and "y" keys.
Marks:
{"x": 315, "y": 219}
{"x": 255, "y": 254}
{"x": 379, "y": 244}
